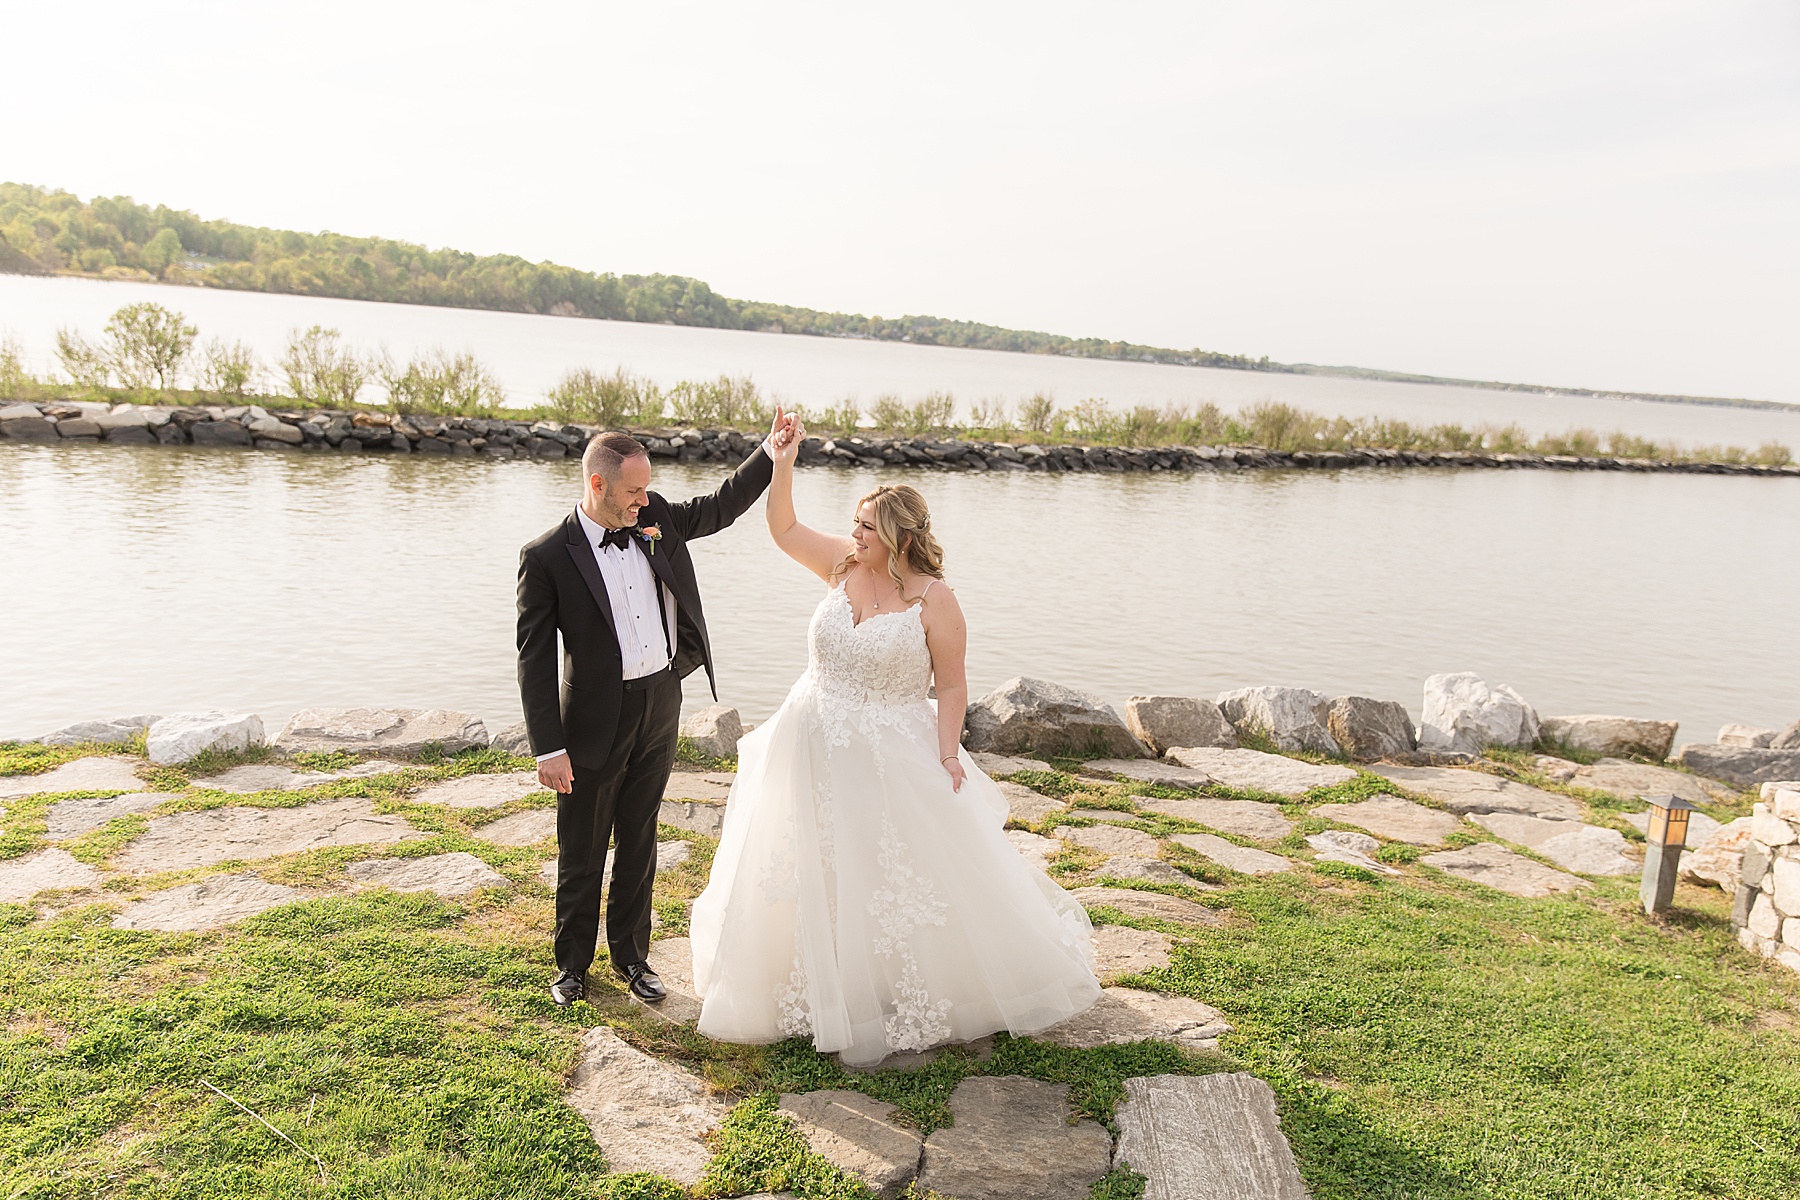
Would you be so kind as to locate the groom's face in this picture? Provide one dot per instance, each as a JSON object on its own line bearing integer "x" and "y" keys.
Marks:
{"x": 618, "y": 501}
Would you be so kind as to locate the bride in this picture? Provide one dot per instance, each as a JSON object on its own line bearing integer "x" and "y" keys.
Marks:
{"x": 864, "y": 893}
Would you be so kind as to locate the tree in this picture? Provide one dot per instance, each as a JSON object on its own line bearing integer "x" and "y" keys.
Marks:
{"x": 85, "y": 362}
{"x": 162, "y": 251}
{"x": 148, "y": 344}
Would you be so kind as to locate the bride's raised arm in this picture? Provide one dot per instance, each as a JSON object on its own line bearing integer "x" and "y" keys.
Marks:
{"x": 818, "y": 552}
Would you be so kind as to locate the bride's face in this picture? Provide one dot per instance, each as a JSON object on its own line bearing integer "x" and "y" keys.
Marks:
{"x": 869, "y": 550}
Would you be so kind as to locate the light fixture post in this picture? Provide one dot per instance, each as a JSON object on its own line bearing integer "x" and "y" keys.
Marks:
{"x": 1667, "y": 835}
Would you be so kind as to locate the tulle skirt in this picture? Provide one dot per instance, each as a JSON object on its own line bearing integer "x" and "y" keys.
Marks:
{"x": 858, "y": 900}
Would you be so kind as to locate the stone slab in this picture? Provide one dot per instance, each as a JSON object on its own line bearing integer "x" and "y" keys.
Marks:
{"x": 1155, "y": 906}
{"x": 23, "y": 878}
{"x": 1243, "y": 859}
{"x": 1026, "y": 806}
{"x": 1501, "y": 869}
{"x": 277, "y": 777}
{"x": 1124, "y": 1015}
{"x": 1206, "y": 1137}
{"x": 221, "y": 900}
{"x": 449, "y": 875}
{"x": 1587, "y": 849}
{"x": 1144, "y": 770}
{"x": 1393, "y": 818}
{"x": 404, "y": 732}
{"x": 1246, "y": 818}
{"x": 673, "y": 961}
{"x": 1101, "y": 814}
{"x": 1109, "y": 840}
{"x": 98, "y": 773}
{"x": 1142, "y": 866}
{"x": 179, "y": 737}
{"x": 1464, "y": 792}
{"x": 1034, "y": 848}
{"x": 1353, "y": 849}
{"x": 712, "y": 786}
{"x": 1630, "y": 780}
{"x": 520, "y": 828}
{"x": 480, "y": 791}
{"x": 696, "y": 816}
{"x": 200, "y": 839}
{"x": 1011, "y": 1138}
{"x": 115, "y": 732}
{"x": 995, "y": 765}
{"x": 1254, "y": 771}
{"x": 72, "y": 818}
{"x": 858, "y": 1135}
{"x": 1122, "y": 950}
{"x": 645, "y": 1114}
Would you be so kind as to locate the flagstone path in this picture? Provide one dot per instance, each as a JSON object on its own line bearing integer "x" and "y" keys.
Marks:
{"x": 97, "y": 773}
{"x": 1499, "y": 868}
{"x": 200, "y": 839}
{"x": 1206, "y": 1137}
{"x": 481, "y": 791}
{"x": 1464, "y": 791}
{"x": 1254, "y": 771}
{"x": 23, "y": 878}
{"x": 276, "y": 777}
{"x": 1393, "y": 818}
{"x": 72, "y": 818}
{"x": 220, "y": 900}
{"x": 449, "y": 875}
{"x": 1012, "y": 1138}
{"x": 1244, "y": 859}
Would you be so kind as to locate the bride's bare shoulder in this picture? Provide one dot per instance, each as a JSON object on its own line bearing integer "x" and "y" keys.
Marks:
{"x": 939, "y": 597}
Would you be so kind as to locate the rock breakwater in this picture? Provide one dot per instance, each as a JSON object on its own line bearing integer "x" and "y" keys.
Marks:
{"x": 253, "y": 427}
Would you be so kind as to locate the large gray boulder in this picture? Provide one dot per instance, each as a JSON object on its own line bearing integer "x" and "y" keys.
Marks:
{"x": 1370, "y": 729}
{"x": 398, "y": 731}
{"x": 1747, "y": 735}
{"x": 1463, "y": 715}
{"x": 715, "y": 730}
{"x": 1292, "y": 718}
{"x": 514, "y": 739}
{"x": 1741, "y": 765}
{"x": 1030, "y": 714}
{"x": 1787, "y": 739}
{"x": 1615, "y": 737}
{"x": 180, "y": 736}
{"x": 115, "y": 732}
{"x": 1163, "y": 722}
{"x": 1206, "y": 1137}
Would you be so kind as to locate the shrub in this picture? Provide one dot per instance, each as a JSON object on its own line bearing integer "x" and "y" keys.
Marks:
{"x": 723, "y": 401}
{"x": 1035, "y": 413}
{"x": 147, "y": 345}
{"x": 229, "y": 369}
{"x": 440, "y": 382}
{"x": 321, "y": 372}
{"x": 586, "y": 395}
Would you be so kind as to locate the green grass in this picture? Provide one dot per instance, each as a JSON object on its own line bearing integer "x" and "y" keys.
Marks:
{"x": 1424, "y": 1037}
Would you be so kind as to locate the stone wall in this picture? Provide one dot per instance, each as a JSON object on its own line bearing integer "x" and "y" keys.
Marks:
{"x": 255, "y": 427}
{"x": 1767, "y": 910}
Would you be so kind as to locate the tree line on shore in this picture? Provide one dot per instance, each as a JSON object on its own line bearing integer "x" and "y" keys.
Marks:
{"x": 55, "y": 232}
{"x": 150, "y": 354}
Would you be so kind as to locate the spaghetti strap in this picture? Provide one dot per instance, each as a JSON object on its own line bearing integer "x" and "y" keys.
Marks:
{"x": 927, "y": 590}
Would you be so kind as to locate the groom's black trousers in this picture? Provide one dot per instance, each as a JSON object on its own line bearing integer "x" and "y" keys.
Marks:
{"x": 617, "y": 801}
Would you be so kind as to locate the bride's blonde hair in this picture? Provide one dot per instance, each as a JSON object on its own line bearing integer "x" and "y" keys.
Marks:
{"x": 903, "y": 523}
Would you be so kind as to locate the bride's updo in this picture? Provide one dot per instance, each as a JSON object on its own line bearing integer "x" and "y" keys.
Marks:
{"x": 903, "y": 523}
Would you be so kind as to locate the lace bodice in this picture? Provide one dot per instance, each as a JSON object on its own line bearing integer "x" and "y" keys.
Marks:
{"x": 883, "y": 661}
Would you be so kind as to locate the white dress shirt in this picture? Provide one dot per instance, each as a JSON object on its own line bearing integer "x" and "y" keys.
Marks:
{"x": 645, "y": 642}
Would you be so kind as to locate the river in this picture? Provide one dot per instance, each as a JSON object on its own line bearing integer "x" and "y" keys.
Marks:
{"x": 157, "y": 580}
{"x": 529, "y": 353}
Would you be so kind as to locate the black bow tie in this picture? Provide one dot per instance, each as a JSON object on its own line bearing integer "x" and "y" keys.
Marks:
{"x": 617, "y": 537}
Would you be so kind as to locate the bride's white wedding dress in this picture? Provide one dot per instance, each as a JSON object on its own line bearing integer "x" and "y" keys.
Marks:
{"x": 855, "y": 898}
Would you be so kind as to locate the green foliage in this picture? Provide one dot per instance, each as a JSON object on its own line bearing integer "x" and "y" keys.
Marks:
{"x": 607, "y": 400}
{"x": 229, "y": 369}
{"x": 147, "y": 345}
{"x": 1050, "y": 783}
{"x": 759, "y": 1150}
{"x": 1120, "y": 1183}
{"x": 723, "y": 401}
{"x": 438, "y": 382}
{"x": 320, "y": 371}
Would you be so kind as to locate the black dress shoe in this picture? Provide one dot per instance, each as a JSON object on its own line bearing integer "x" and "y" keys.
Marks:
{"x": 643, "y": 982}
{"x": 569, "y": 987}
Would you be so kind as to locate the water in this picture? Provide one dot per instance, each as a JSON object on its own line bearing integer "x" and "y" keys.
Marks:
{"x": 529, "y": 353}
{"x": 156, "y": 580}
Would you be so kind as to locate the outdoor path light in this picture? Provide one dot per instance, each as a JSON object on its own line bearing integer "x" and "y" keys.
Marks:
{"x": 1667, "y": 834}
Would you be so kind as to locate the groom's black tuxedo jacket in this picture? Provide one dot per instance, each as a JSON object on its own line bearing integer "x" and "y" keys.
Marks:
{"x": 561, "y": 588}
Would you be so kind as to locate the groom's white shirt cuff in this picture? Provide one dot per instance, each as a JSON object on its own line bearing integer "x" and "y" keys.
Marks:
{"x": 551, "y": 755}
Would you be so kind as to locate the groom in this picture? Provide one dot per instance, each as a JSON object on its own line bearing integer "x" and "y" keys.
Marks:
{"x": 615, "y": 580}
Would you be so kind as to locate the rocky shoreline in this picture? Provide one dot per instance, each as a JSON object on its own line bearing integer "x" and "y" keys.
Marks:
{"x": 253, "y": 427}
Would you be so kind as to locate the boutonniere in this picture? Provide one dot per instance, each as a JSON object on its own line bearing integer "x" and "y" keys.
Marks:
{"x": 651, "y": 534}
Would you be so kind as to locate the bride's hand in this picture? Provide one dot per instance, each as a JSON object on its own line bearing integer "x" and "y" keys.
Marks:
{"x": 786, "y": 437}
{"x": 955, "y": 767}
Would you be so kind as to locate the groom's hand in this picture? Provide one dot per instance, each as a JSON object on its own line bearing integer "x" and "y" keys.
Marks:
{"x": 557, "y": 774}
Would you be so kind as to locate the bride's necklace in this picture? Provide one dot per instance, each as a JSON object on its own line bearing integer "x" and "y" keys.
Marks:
{"x": 875, "y": 597}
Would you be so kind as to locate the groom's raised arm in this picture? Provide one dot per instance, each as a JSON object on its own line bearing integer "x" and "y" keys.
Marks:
{"x": 706, "y": 515}
{"x": 538, "y": 691}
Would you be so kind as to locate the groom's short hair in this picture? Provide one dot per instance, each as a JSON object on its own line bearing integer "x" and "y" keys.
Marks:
{"x": 606, "y": 452}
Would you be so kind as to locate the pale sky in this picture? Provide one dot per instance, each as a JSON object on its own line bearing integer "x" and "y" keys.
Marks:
{"x": 1596, "y": 193}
